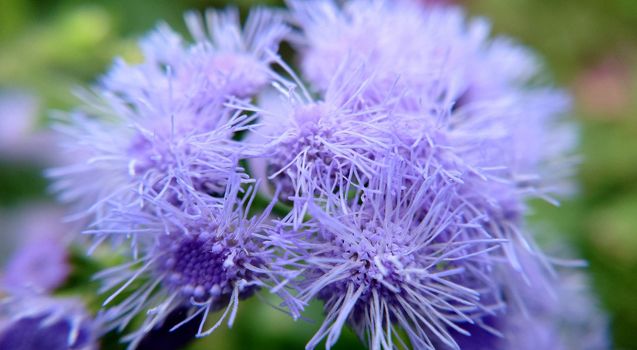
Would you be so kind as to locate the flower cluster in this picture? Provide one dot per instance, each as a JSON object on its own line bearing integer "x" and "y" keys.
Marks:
{"x": 389, "y": 180}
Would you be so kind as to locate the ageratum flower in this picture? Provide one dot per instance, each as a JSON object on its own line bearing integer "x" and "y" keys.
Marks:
{"x": 40, "y": 322}
{"x": 224, "y": 60}
{"x": 37, "y": 249}
{"x": 483, "y": 93}
{"x": 430, "y": 69}
{"x": 159, "y": 129}
{"x": 129, "y": 156}
{"x": 546, "y": 312}
{"x": 400, "y": 253}
{"x": 204, "y": 263}
{"x": 311, "y": 144}
{"x": 40, "y": 264}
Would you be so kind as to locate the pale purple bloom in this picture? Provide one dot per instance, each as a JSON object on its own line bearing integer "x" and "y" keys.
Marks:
{"x": 39, "y": 243}
{"x": 204, "y": 263}
{"x": 159, "y": 131}
{"x": 132, "y": 156}
{"x": 406, "y": 163}
{"x": 224, "y": 61}
{"x": 435, "y": 64}
{"x": 458, "y": 102}
{"x": 419, "y": 55}
{"x": 41, "y": 264}
{"x": 310, "y": 144}
{"x": 401, "y": 252}
{"x": 546, "y": 312}
{"x": 34, "y": 322}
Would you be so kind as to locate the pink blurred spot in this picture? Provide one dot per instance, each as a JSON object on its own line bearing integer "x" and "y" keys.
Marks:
{"x": 23, "y": 138}
{"x": 604, "y": 89}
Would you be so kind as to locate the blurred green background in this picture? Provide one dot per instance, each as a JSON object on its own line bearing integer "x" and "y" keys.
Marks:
{"x": 49, "y": 46}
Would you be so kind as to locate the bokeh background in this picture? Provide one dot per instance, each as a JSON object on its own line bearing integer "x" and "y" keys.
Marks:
{"x": 48, "y": 47}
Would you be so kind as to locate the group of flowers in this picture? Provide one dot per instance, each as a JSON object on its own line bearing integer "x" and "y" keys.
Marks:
{"x": 388, "y": 179}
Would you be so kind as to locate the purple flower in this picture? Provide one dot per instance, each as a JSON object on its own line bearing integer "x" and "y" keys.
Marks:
{"x": 406, "y": 165}
{"x": 545, "y": 312}
{"x": 39, "y": 258}
{"x": 401, "y": 252}
{"x": 457, "y": 102}
{"x": 311, "y": 144}
{"x": 205, "y": 263}
{"x": 31, "y": 322}
{"x": 481, "y": 93}
{"x": 42, "y": 265}
{"x": 159, "y": 131}
{"x": 418, "y": 70}
{"x": 132, "y": 156}
{"x": 224, "y": 61}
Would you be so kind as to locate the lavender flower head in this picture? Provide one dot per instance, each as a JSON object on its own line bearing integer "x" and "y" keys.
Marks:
{"x": 309, "y": 143}
{"x": 479, "y": 91}
{"x": 138, "y": 142}
{"x": 225, "y": 60}
{"x": 139, "y": 158}
{"x": 31, "y": 322}
{"x": 40, "y": 249}
{"x": 398, "y": 254}
{"x": 467, "y": 131}
{"x": 553, "y": 311}
{"x": 205, "y": 264}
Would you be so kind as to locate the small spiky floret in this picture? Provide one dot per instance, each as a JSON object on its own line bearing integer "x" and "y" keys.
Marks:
{"x": 205, "y": 263}
{"x": 30, "y": 321}
{"x": 129, "y": 156}
{"x": 311, "y": 144}
{"x": 224, "y": 61}
{"x": 438, "y": 64}
{"x": 373, "y": 32}
{"x": 402, "y": 252}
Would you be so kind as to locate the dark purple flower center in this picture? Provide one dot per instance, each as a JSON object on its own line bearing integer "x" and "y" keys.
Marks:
{"x": 207, "y": 267}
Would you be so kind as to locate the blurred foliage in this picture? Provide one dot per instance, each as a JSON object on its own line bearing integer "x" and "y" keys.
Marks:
{"x": 48, "y": 47}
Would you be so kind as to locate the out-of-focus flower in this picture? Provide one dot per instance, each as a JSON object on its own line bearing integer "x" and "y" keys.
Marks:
{"x": 32, "y": 322}
{"x": 39, "y": 260}
{"x": 558, "y": 313}
{"x": 41, "y": 264}
{"x": 18, "y": 116}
